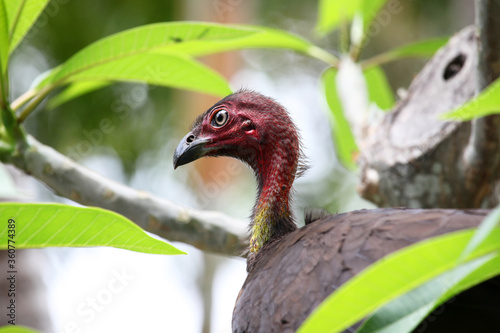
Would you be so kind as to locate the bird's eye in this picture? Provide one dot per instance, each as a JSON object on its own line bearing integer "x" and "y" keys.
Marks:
{"x": 220, "y": 118}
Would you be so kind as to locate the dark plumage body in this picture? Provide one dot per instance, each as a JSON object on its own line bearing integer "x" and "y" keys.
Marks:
{"x": 290, "y": 270}
{"x": 292, "y": 275}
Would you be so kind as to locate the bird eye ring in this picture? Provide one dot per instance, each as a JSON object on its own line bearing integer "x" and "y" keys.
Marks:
{"x": 220, "y": 118}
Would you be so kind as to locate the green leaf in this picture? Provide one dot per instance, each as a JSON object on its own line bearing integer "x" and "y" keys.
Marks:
{"x": 17, "y": 328}
{"x": 405, "y": 313}
{"x": 344, "y": 140}
{"x": 48, "y": 225}
{"x": 483, "y": 231}
{"x": 424, "y": 299}
{"x": 145, "y": 40}
{"x": 75, "y": 90}
{"x": 4, "y": 41}
{"x": 191, "y": 38}
{"x": 392, "y": 276}
{"x": 331, "y": 13}
{"x": 107, "y": 57}
{"x": 158, "y": 69}
{"x": 370, "y": 9}
{"x": 485, "y": 103}
{"x": 22, "y": 14}
{"x": 425, "y": 48}
{"x": 162, "y": 48}
{"x": 379, "y": 90}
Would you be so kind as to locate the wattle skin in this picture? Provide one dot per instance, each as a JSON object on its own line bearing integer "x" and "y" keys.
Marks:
{"x": 290, "y": 270}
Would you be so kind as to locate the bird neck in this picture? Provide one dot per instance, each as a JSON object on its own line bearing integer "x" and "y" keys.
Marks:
{"x": 272, "y": 217}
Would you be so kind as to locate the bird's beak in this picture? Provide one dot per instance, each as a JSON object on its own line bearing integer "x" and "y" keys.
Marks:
{"x": 189, "y": 149}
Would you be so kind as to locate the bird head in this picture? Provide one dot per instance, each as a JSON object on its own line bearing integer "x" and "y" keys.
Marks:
{"x": 257, "y": 130}
{"x": 245, "y": 125}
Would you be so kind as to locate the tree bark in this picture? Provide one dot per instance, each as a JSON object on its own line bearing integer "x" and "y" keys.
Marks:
{"x": 411, "y": 158}
{"x": 414, "y": 159}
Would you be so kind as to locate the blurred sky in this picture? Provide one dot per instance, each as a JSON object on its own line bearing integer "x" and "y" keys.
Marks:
{"x": 110, "y": 290}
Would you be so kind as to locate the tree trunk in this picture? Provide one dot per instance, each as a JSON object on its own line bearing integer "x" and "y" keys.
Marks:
{"x": 414, "y": 159}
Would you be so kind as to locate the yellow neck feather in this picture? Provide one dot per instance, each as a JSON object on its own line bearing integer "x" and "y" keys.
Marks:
{"x": 261, "y": 231}
{"x": 264, "y": 222}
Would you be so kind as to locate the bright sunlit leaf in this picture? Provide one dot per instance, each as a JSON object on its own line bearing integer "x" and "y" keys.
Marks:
{"x": 393, "y": 276}
{"x": 4, "y": 39}
{"x": 159, "y": 54}
{"x": 344, "y": 140}
{"x": 56, "y": 225}
{"x": 370, "y": 8}
{"x": 379, "y": 90}
{"x": 121, "y": 56}
{"x": 144, "y": 40}
{"x": 17, "y": 329}
{"x": 157, "y": 69}
{"x": 332, "y": 13}
{"x": 486, "y": 103}
{"x": 405, "y": 313}
{"x": 22, "y": 14}
{"x": 261, "y": 37}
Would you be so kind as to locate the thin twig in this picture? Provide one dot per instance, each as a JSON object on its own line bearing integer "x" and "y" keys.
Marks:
{"x": 34, "y": 103}
{"x": 23, "y": 99}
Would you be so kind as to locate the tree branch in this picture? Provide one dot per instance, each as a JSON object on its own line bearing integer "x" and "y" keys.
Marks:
{"x": 482, "y": 157}
{"x": 205, "y": 230}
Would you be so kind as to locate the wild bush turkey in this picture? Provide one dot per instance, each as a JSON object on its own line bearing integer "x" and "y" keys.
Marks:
{"x": 291, "y": 270}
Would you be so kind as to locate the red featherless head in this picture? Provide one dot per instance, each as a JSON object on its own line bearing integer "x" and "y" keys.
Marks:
{"x": 259, "y": 131}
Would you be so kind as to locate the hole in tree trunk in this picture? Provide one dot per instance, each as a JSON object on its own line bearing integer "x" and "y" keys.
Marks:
{"x": 454, "y": 66}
